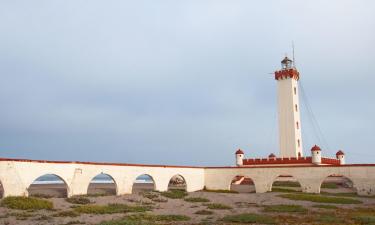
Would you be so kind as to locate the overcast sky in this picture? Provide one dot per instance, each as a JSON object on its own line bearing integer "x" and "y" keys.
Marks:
{"x": 181, "y": 82}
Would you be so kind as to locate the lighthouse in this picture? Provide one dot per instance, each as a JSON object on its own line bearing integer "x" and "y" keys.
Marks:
{"x": 290, "y": 138}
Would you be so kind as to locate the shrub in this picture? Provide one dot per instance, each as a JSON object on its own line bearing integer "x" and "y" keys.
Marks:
{"x": 174, "y": 194}
{"x": 329, "y": 219}
{"x": 110, "y": 209}
{"x": 221, "y": 191}
{"x": 146, "y": 219}
{"x": 286, "y": 184}
{"x": 204, "y": 212}
{"x": 320, "y": 198}
{"x": 78, "y": 200}
{"x": 329, "y": 185}
{"x": 197, "y": 199}
{"x": 69, "y": 213}
{"x": 285, "y": 208}
{"x": 26, "y": 203}
{"x": 217, "y": 206}
{"x": 249, "y": 218}
{"x": 365, "y": 219}
{"x": 325, "y": 206}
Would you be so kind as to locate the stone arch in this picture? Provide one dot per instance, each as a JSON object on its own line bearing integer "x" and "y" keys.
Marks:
{"x": 48, "y": 185}
{"x": 242, "y": 184}
{"x": 143, "y": 182}
{"x": 177, "y": 182}
{"x": 285, "y": 183}
{"x": 337, "y": 183}
{"x": 102, "y": 184}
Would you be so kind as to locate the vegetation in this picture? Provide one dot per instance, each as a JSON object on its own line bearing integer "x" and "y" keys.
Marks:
{"x": 325, "y": 206}
{"x": 330, "y": 185}
{"x": 221, "y": 191}
{"x": 39, "y": 195}
{"x": 286, "y": 184}
{"x": 68, "y": 213}
{"x": 249, "y": 218}
{"x": 110, "y": 209}
{"x": 198, "y": 199}
{"x": 204, "y": 212}
{"x": 286, "y": 190}
{"x": 320, "y": 198}
{"x": 146, "y": 219}
{"x": 78, "y": 200}
{"x": 26, "y": 203}
{"x": 217, "y": 206}
{"x": 174, "y": 194}
{"x": 329, "y": 219}
{"x": 285, "y": 208}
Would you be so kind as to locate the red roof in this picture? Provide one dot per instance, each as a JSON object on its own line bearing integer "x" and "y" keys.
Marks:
{"x": 272, "y": 155}
{"x": 239, "y": 151}
{"x": 340, "y": 153}
{"x": 315, "y": 148}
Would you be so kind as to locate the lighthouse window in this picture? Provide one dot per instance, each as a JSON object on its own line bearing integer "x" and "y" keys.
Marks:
{"x": 299, "y": 143}
{"x": 295, "y": 90}
{"x": 297, "y": 124}
{"x": 296, "y": 106}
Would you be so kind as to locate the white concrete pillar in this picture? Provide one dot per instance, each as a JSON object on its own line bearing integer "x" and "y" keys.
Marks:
{"x": 310, "y": 185}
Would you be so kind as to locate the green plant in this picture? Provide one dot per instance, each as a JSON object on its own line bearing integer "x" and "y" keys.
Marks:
{"x": 285, "y": 208}
{"x": 320, "y": 198}
{"x": 330, "y": 185}
{"x": 146, "y": 219}
{"x": 174, "y": 194}
{"x": 204, "y": 212}
{"x": 217, "y": 206}
{"x": 221, "y": 191}
{"x": 286, "y": 184}
{"x": 197, "y": 199}
{"x": 325, "y": 206}
{"x": 110, "y": 209}
{"x": 26, "y": 203}
{"x": 78, "y": 200}
{"x": 249, "y": 218}
{"x": 68, "y": 213}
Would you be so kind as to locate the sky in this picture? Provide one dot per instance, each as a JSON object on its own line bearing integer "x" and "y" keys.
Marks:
{"x": 181, "y": 82}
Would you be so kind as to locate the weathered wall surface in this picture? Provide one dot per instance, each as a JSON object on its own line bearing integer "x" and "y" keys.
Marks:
{"x": 16, "y": 176}
{"x": 310, "y": 177}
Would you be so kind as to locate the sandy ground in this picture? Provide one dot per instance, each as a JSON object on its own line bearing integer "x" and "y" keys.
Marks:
{"x": 241, "y": 203}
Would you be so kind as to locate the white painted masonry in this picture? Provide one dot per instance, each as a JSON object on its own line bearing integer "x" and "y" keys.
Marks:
{"x": 17, "y": 175}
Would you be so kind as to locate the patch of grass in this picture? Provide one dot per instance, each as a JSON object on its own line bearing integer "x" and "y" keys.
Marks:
{"x": 204, "y": 212}
{"x": 40, "y": 195}
{"x": 68, "y": 213}
{"x": 150, "y": 194}
{"x": 286, "y": 190}
{"x": 345, "y": 194}
{"x": 174, "y": 194}
{"x": 286, "y": 184}
{"x": 329, "y": 219}
{"x": 21, "y": 215}
{"x": 198, "y": 199}
{"x": 221, "y": 191}
{"x": 146, "y": 219}
{"x": 320, "y": 198}
{"x": 249, "y": 218}
{"x": 74, "y": 222}
{"x": 285, "y": 208}
{"x": 78, "y": 200}
{"x": 110, "y": 209}
{"x": 26, "y": 203}
{"x": 365, "y": 219}
{"x": 329, "y": 185}
{"x": 217, "y": 206}
{"x": 325, "y": 206}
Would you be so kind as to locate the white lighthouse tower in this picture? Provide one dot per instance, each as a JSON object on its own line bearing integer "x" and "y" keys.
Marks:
{"x": 290, "y": 137}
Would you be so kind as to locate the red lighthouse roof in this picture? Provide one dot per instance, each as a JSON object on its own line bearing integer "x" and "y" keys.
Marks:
{"x": 315, "y": 148}
{"x": 239, "y": 151}
{"x": 340, "y": 153}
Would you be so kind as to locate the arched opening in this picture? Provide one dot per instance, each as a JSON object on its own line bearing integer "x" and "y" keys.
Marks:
{"x": 143, "y": 183}
{"x": 48, "y": 185}
{"x": 1, "y": 190}
{"x": 177, "y": 182}
{"x": 286, "y": 183}
{"x": 242, "y": 184}
{"x": 102, "y": 184}
{"x": 337, "y": 184}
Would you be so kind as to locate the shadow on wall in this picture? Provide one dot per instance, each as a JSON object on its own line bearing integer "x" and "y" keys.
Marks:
{"x": 337, "y": 184}
{"x": 142, "y": 183}
{"x": 1, "y": 190}
{"x": 286, "y": 183}
{"x": 242, "y": 184}
{"x": 102, "y": 185}
{"x": 48, "y": 185}
{"x": 177, "y": 182}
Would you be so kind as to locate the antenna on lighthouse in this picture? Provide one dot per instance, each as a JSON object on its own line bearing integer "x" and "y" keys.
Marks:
{"x": 294, "y": 60}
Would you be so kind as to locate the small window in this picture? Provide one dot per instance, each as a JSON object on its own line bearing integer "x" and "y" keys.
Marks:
{"x": 295, "y": 90}
{"x": 297, "y": 125}
{"x": 299, "y": 143}
{"x": 296, "y": 106}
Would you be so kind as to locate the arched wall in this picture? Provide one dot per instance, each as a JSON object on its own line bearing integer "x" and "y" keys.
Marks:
{"x": 182, "y": 178}
{"x": 91, "y": 178}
